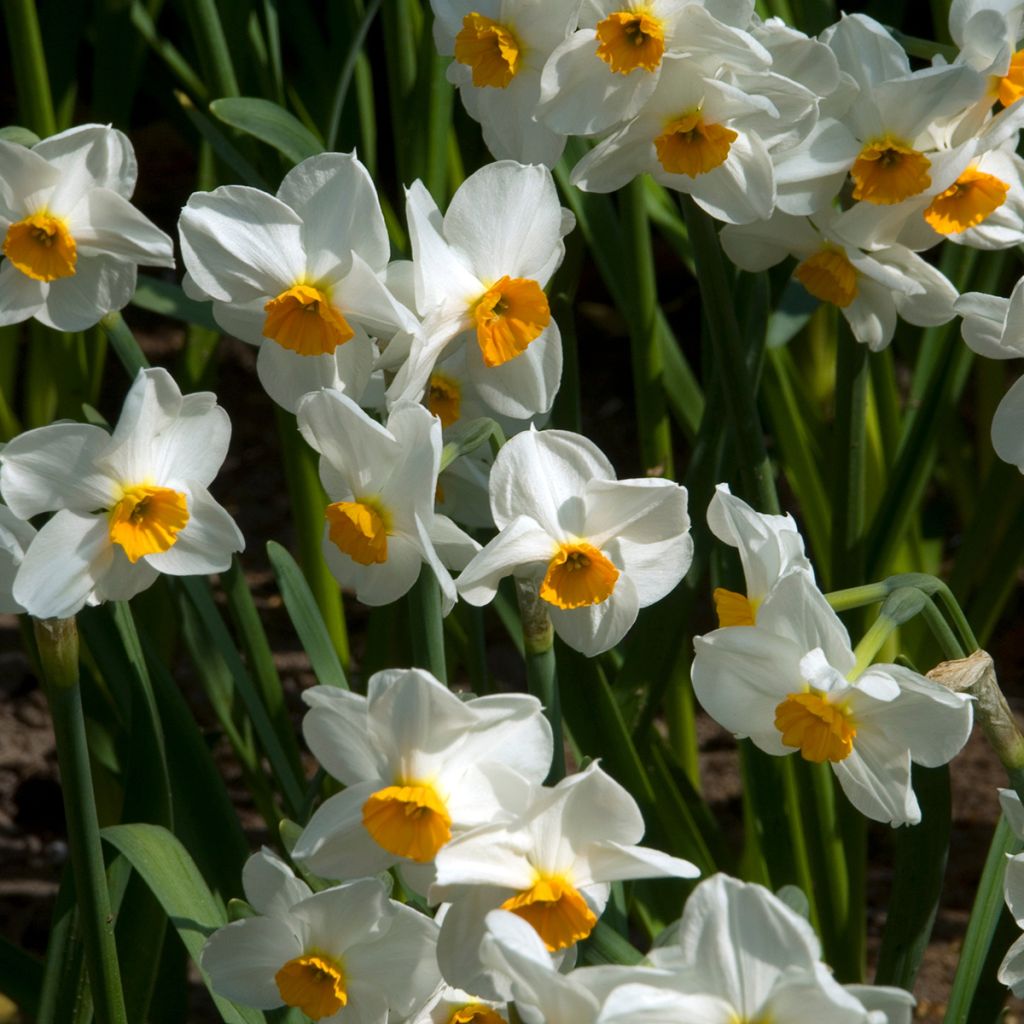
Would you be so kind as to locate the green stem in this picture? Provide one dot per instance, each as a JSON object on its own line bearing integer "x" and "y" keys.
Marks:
{"x": 731, "y": 358}
{"x": 126, "y": 348}
{"x": 541, "y": 674}
{"x": 35, "y": 105}
{"x": 427, "y": 624}
{"x": 58, "y": 651}
{"x": 645, "y": 342}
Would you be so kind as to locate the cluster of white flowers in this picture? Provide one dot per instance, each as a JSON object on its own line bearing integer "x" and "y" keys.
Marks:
{"x": 449, "y": 792}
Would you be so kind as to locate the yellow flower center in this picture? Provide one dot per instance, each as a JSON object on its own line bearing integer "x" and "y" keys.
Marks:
{"x": 303, "y": 320}
{"x": 889, "y": 171}
{"x": 444, "y": 398}
{"x": 829, "y": 275}
{"x": 967, "y": 202}
{"x": 631, "y": 40}
{"x": 556, "y": 910}
{"x": 408, "y": 820}
{"x": 733, "y": 609}
{"x": 690, "y": 146}
{"x": 360, "y": 529}
{"x": 490, "y": 49}
{"x": 1010, "y": 87}
{"x": 313, "y": 983}
{"x": 822, "y": 731}
{"x": 578, "y": 575}
{"x": 41, "y": 247}
{"x": 476, "y": 1013}
{"x": 509, "y": 315}
{"x": 147, "y": 520}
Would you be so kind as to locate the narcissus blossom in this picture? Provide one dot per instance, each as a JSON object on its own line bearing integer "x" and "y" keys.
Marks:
{"x": 499, "y": 49}
{"x": 299, "y": 274}
{"x": 552, "y": 866}
{"x": 420, "y": 766}
{"x": 597, "y": 549}
{"x": 72, "y": 241}
{"x": 479, "y": 277}
{"x": 380, "y": 527}
{"x": 790, "y": 684}
{"x": 769, "y": 547}
{"x": 346, "y": 955}
{"x": 128, "y": 506}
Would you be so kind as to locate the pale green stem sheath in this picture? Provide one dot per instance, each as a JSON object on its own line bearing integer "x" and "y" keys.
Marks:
{"x": 427, "y": 625}
{"x": 871, "y": 643}
{"x": 858, "y": 597}
{"x": 541, "y": 676}
{"x": 645, "y": 341}
{"x": 29, "y": 60}
{"x": 58, "y": 653}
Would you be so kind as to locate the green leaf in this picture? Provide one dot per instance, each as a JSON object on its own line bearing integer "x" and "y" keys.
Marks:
{"x": 466, "y": 436}
{"x": 18, "y": 135}
{"x": 173, "y": 878}
{"x": 269, "y": 123}
{"x": 167, "y": 299}
{"x": 306, "y": 618}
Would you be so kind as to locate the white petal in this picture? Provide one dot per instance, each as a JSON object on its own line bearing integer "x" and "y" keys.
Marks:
{"x": 239, "y": 243}
{"x": 876, "y": 779}
{"x": 612, "y": 862}
{"x": 544, "y": 474}
{"x": 377, "y": 584}
{"x": 598, "y": 627}
{"x": 242, "y": 959}
{"x": 104, "y": 222}
{"x": 1008, "y": 426}
{"x": 54, "y": 467}
{"x": 346, "y": 916}
{"x": 334, "y": 728}
{"x": 983, "y": 326}
{"x": 100, "y": 285}
{"x": 270, "y": 885}
{"x": 89, "y": 156}
{"x": 872, "y": 315}
{"x": 807, "y": 997}
{"x": 506, "y": 219}
{"x": 22, "y": 173}
{"x": 362, "y": 294}
{"x": 522, "y": 546}
{"x": 335, "y": 197}
{"x": 62, "y": 565}
{"x": 1011, "y": 970}
{"x": 207, "y": 542}
{"x": 15, "y": 537}
{"x": 123, "y": 579}
{"x": 21, "y": 297}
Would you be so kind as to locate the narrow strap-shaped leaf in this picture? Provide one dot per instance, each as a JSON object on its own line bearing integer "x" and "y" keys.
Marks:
{"x": 198, "y": 593}
{"x": 64, "y": 985}
{"x": 167, "y": 299}
{"x": 172, "y": 876}
{"x": 269, "y": 123}
{"x": 306, "y": 618}
{"x": 224, "y": 149}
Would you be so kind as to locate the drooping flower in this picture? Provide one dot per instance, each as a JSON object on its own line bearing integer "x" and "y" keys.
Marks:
{"x": 381, "y": 528}
{"x": 128, "y": 506}
{"x": 551, "y": 866}
{"x": 419, "y": 765}
{"x": 788, "y": 683}
{"x": 299, "y": 274}
{"x": 345, "y": 954}
{"x": 480, "y": 275}
{"x": 596, "y": 548}
{"x": 72, "y": 241}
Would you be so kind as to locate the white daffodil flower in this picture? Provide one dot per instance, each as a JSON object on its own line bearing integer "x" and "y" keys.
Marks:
{"x": 381, "y": 527}
{"x": 786, "y": 683}
{"x": 692, "y": 136}
{"x": 299, "y": 274}
{"x": 15, "y": 537}
{"x": 479, "y": 278}
{"x": 870, "y": 287}
{"x": 598, "y": 549}
{"x": 500, "y": 48}
{"x": 988, "y": 33}
{"x": 72, "y": 240}
{"x": 129, "y": 505}
{"x": 769, "y": 547}
{"x": 896, "y": 110}
{"x": 420, "y": 766}
{"x": 551, "y": 866}
{"x": 993, "y": 326}
{"x": 346, "y": 954}
{"x": 753, "y": 958}
{"x": 544, "y": 995}
{"x": 1011, "y": 970}
{"x": 454, "y": 1006}
{"x": 606, "y": 71}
